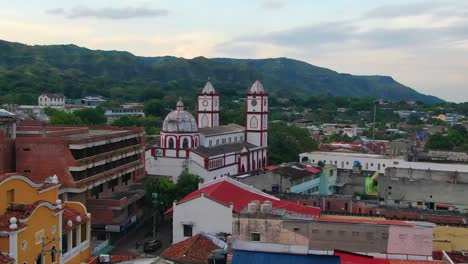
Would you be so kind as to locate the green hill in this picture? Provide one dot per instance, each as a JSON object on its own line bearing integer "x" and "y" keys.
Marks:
{"x": 26, "y": 71}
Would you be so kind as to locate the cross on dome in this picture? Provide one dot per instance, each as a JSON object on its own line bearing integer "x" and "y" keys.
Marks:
{"x": 257, "y": 87}
{"x": 180, "y": 105}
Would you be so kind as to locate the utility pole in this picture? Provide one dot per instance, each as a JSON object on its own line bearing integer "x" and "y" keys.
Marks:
{"x": 155, "y": 204}
{"x": 373, "y": 127}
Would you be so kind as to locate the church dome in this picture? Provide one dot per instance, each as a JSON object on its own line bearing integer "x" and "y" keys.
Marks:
{"x": 180, "y": 120}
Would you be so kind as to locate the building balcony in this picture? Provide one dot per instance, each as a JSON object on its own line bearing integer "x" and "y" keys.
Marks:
{"x": 108, "y": 155}
{"x": 116, "y": 171}
{"x": 118, "y": 200}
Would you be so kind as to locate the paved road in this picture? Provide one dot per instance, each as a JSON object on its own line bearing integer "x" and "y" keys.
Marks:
{"x": 127, "y": 246}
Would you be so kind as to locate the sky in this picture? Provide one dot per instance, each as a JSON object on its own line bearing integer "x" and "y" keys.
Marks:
{"x": 422, "y": 44}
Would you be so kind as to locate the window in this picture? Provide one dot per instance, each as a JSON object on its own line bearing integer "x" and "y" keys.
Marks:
{"x": 65, "y": 243}
{"x": 355, "y": 233}
{"x": 370, "y": 235}
{"x": 188, "y": 229}
{"x": 224, "y": 141}
{"x": 171, "y": 143}
{"x": 217, "y": 142}
{"x": 39, "y": 236}
{"x": 210, "y": 143}
{"x": 315, "y": 231}
{"x": 254, "y": 236}
{"x": 24, "y": 244}
{"x": 27, "y": 170}
{"x": 74, "y": 235}
{"x": 26, "y": 149}
{"x": 185, "y": 143}
{"x": 126, "y": 178}
{"x": 253, "y": 122}
{"x": 229, "y": 140}
{"x": 395, "y": 162}
{"x": 84, "y": 232}
{"x": 112, "y": 183}
{"x": 10, "y": 196}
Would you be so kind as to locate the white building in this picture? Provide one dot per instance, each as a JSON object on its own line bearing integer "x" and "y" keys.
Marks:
{"x": 211, "y": 151}
{"x": 214, "y": 205}
{"x": 51, "y": 99}
{"x": 372, "y": 162}
{"x": 116, "y": 113}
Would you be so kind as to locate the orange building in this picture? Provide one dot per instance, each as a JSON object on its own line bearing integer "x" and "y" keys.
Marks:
{"x": 36, "y": 227}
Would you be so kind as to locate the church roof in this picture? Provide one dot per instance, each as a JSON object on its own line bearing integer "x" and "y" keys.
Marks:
{"x": 222, "y": 149}
{"x": 220, "y": 130}
{"x": 180, "y": 120}
{"x": 257, "y": 88}
{"x": 208, "y": 89}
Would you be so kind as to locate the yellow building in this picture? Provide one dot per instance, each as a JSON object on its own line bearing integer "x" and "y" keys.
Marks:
{"x": 36, "y": 228}
{"x": 450, "y": 238}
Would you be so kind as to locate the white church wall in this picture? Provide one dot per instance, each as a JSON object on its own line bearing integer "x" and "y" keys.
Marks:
{"x": 164, "y": 166}
{"x": 218, "y": 139}
{"x": 207, "y": 175}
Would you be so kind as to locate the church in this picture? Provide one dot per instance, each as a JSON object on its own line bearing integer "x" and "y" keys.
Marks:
{"x": 203, "y": 147}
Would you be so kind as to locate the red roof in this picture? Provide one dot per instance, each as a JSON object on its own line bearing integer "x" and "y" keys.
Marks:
{"x": 71, "y": 214}
{"x": 364, "y": 221}
{"x": 271, "y": 167}
{"x": 311, "y": 169}
{"x": 19, "y": 211}
{"x": 352, "y": 258}
{"x": 226, "y": 192}
{"x": 193, "y": 250}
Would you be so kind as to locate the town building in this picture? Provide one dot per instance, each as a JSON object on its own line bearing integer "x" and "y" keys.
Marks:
{"x": 92, "y": 100}
{"x": 294, "y": 178}
{"x": 116, "y": 113}
{"x": 51, "y": 100}
{"x": 393, "y": 239}
{"x": 7, "y": 141}
{"x": 214, "y": 206}
{"x": 99, "y": 166}
{"x": 205, "y": 148}
{"x": 36, "y": 227}
{"x": 373, "y": 162}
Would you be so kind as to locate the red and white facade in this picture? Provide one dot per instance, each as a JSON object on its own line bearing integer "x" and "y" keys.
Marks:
{"x": 208, "y": 107}
{"x": 204, "y": 148}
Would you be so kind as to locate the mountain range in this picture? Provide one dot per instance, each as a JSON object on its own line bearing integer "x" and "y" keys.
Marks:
{"x": 26, "y": 71}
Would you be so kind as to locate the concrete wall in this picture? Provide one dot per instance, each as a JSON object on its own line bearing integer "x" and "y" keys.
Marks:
{"x": 204, "y": 215}
{"x": 410, "y": 241}
{"x": 265, "y": 181}
{"x": 424, "y": 186}
{"x": 379, "y": 163}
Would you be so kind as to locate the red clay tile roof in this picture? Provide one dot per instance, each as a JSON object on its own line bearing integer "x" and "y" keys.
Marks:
{"x": 19, "y": 211}
{"x": 401, "y": 261}
{"x": 71, "y": 214}
{"x": 5, "y": 259}
{"x": 193, "y": 250}
{"x": 226, "y": 192}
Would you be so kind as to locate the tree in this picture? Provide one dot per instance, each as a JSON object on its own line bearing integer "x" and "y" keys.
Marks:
{"x": 455, "y": 137}
{"x": 63, "y": 118}
{"x": 154, "y": 107}
{"x": 187, "y": 183}
{"x": 91, "y": 116}
{"x": 166, "y": 190}
{"x": 49, "y": 111}
{"x": 286, "y": 142}
{"x": 439, "y": 142}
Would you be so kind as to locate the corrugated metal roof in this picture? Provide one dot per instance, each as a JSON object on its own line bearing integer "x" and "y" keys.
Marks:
{"x": 252, "y": 257}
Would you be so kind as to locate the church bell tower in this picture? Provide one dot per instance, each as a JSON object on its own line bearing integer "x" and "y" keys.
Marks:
{"x": 257, "y": 115}
{"x": 208, "y": 107}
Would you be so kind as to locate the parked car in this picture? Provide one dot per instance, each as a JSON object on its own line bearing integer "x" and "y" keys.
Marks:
{"x": 151, "y": 245}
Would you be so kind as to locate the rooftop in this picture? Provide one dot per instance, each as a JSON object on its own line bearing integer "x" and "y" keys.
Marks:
{"x": 193, "y": 250}
{"x": 221, "y": 149}
{"x": 221, "y": 130}
{"x": 227, "y": 191}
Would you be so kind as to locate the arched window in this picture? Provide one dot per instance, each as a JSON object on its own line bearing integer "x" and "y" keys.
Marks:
{"x": 253, "y": 122}
{"x": 185, "y": 143}
{"x": 196, "y": 142}
{"x": 204, "y": 121}
{"x": 171, "y": 143}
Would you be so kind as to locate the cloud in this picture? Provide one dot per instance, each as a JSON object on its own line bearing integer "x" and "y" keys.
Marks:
{"x": 413, "y": 9}
{"x": 272, "y": 4}
{"x": 109, "y": 12}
